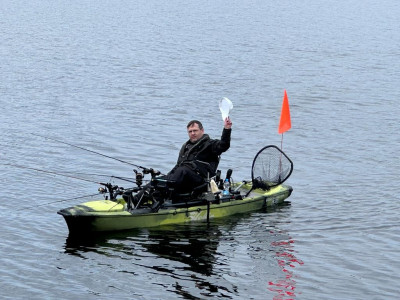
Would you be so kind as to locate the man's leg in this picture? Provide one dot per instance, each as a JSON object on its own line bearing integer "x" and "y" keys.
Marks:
{"x": 184, "y": 179}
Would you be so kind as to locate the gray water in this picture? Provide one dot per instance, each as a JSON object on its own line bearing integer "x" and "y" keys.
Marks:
{"x": 123, "y": 78}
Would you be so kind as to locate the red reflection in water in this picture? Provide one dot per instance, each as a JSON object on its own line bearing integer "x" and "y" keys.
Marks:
{"x": 287, "y": 261}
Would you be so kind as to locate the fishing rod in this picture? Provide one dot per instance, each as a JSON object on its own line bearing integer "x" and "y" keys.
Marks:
{"x": 112, "y": 190}
{"x": 62, "y": 200}
{"x": 88, "y": 150}
{"x": 127, "y": 179}
{"x": 51, "y": 173}
{"x": 139, "y": 176}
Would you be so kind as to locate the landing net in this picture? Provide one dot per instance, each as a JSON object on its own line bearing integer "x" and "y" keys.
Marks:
{"x": 271, "y": 167}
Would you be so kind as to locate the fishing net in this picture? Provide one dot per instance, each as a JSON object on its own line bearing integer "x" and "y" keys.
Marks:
{"x": 271, "y": 167}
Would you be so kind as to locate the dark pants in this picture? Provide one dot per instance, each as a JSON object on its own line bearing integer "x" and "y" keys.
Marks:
{"x": 184, "y": 179}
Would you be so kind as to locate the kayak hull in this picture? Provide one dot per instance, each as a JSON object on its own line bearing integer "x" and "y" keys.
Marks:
{"x": 106, "y": 215}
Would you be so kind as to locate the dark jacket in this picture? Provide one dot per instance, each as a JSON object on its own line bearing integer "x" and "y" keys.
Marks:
{"x": 203, "y": 156}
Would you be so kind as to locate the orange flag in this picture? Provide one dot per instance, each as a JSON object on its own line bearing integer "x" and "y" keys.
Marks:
{"x": 284, "y": 123}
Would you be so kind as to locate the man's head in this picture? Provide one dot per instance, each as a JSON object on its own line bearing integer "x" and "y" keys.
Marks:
{"x": 195, "y": 130}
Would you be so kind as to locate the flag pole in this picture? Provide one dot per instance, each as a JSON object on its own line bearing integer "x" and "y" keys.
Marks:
{"x": 284, "y": 123}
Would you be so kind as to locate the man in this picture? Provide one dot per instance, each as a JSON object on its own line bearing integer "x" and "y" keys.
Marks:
{"x": 197, "y": 160}
{"x": 198, "y": 157}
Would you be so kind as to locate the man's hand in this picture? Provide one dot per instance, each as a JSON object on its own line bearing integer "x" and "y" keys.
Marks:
{"x": 227, "y": 123}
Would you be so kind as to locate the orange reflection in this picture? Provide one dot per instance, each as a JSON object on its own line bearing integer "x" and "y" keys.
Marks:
{"x": 287, "y": 261}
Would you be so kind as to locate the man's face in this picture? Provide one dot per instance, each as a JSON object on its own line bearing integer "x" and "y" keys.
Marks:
{"x": 195, "y": 133}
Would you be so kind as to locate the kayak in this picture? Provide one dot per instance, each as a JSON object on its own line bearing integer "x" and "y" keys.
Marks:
{"x": 112, "y": 215}
{"x": 271, "y": 167}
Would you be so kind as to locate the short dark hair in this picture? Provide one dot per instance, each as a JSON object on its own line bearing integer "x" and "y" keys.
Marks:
{"x": 195, "y": 122}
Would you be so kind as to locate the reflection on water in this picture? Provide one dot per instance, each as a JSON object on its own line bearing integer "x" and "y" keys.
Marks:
{"x": 178, "y": 249}
{"x": 287, "y": 261}
{"x": 192, "y": 245}
{"x": 195, "y": 249}
{"x": 200, "y": 260}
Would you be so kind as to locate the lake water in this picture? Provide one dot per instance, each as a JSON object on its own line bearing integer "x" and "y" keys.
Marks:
{"x": 123, "y": 78}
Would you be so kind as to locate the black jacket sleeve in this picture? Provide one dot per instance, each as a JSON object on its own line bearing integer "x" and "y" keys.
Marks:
{"x": 224, "y": 143}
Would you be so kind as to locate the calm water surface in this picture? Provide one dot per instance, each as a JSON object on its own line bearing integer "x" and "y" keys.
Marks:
{"x": 123, "y": 78}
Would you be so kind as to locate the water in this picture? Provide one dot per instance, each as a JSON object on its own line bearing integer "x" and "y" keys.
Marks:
{"x": 123, "y": 79}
